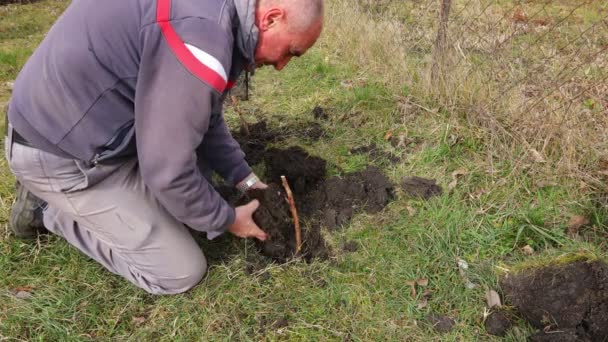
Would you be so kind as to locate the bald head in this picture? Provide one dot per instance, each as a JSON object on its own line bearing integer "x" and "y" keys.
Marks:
{"x": 301, "y": 15}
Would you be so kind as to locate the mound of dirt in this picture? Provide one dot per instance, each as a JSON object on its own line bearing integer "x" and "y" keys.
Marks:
{"x": 422, "y": 188}
{"x": 6, "y": 2}
{"x": 335, "y": 201}
{"x": 375, "y": 153}
{"x": 275, "y": 217}
{"x": 258, "y": 136}
{"x": 568, "y": 302}
{"x": 303, "y": 171}
{"x": 320, "y": 202}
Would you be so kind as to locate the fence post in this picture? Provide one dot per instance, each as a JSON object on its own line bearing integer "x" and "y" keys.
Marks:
{"x": 441, "y": 41}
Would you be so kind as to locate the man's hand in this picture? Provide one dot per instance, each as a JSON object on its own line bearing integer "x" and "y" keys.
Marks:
{"x": 243, "y": 225}
{"x": 259, "y": 185}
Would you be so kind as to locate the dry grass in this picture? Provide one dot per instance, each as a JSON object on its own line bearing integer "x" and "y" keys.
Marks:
{"x": 530, "y": 76}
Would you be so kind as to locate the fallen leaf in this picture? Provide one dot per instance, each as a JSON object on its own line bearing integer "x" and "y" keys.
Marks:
{"x": 470, "y": 285}
{"x": 138, "y": 320}
{"x": 455, "y": 175}
{"x": 10, "y": 85}
{"x": 23, "y": 288}
{"x": 346, "y": 84}
{"x": 411, "y": 211}
{"x": 493, "y": 299}
{"x": 23, "y": 295}
{"x": 412, "y": 284}
{"x": 422, "y": 282}
{"x": 422, "y": 303}
{"x": 575, "y": 224}
{"x": 536, "y": 156}
{"x": 388, "y": 135}
{"x": 527, "y": 250}
{"x": 463, "y": 265}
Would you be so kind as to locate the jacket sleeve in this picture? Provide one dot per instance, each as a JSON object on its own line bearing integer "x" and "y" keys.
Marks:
{"x": 173, "y": 106}
{"x": 223, "y": 153}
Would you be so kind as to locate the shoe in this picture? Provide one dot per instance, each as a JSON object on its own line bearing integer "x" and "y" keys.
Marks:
{"x": 26, "y": 214}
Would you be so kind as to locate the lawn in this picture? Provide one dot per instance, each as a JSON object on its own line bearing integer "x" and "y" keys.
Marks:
{"x": 512, "y": 182}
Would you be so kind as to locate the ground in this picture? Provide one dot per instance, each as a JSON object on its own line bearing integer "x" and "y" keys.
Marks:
{"x": 518, "y": 191}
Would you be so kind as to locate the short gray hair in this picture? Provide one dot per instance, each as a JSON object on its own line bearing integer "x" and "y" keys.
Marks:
{"x": 301, "y": 14}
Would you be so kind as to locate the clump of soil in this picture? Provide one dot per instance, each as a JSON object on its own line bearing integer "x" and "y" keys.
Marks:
{"x": 260, "y": 135}
{"x": 303, "y": 171}
{"x": 319, "y": 113}
{"x": 6, "y": 2}
{"x": 320, "y": 202}
{"x": 422, "y": 188}
{"x": 440, "y": 323}
{"x": 375, "y": 153}
{"x": 568, "y": 302}
{"x": 337, "y": 199}
{"x": 350, "y": 246}
{"x": 274, "y": 216}
{"x": 497, "y": 323}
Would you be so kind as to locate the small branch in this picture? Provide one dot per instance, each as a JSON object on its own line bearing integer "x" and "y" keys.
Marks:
{"x": 294, "y": 213}
{"x": 235, "y": 103}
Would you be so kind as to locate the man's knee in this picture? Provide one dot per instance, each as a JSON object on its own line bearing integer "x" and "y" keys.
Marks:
{"x": 179, "y": 277}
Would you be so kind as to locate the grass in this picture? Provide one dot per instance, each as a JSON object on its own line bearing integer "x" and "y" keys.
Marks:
{"x": 370, "y": 72}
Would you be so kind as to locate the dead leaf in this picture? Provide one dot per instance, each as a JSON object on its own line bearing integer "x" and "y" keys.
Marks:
{"x": 422, "y": 282}
{"x": 388, "y": 135}
{"x": 23, "y": 288}
{"x": 422, "y": 303}
{"x": 519, "y": 16}
{"x": 527, "y": 250}
{"x": 411, "y": 211}
{"x": 138, "y": 320}
{"x": 412, "y": 284}
{"x": 493, "y": 299}
{"x": 455, "y": 175}
{"x": 576, "y": 223}
{"x": 536, "y": 156}
{"x": 346, "y": 84}
{"x": 10, "y": 85}
{"x": 23, "y": 295}
{"x": 462, "y": 264}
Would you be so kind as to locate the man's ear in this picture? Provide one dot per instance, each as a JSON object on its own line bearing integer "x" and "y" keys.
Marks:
{"x": 271, "y": 17}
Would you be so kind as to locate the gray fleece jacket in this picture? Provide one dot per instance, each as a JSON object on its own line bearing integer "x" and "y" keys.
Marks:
{"x": 116, "y": 79}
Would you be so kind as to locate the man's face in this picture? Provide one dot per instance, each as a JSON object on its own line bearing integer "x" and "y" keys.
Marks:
{"x": 276, "y": 45}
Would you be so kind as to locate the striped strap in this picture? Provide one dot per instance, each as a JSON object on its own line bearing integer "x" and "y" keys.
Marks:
{"x": 203, "y": 65}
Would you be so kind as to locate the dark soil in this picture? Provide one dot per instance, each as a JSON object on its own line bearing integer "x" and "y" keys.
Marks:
{"x": 337, "y": 199}
{"x": 375, "y": 153}
{"x": 440, "y": 323}
{"x": 498, "y": 323}
{"x": 319, "y": 113}
{"x": 274, "y": 216}
{"x": 303, "y": 171}
{"x": 422, "y": 188}
{"x": 6, "y": 2}
{"x": 350, "y": 246}
{"x": 320, "y": 202}
{"x": 261, "y": 136}
{"x": 568, "y": 302}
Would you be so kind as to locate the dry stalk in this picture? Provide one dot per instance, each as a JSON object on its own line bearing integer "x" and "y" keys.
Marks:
{"x": 235, "y": 103}
{"x": 294, "y": 213}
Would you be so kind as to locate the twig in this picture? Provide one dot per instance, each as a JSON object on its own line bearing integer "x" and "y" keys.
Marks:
{"x": 294, "y": 213}
{"x": 235, "y": 103}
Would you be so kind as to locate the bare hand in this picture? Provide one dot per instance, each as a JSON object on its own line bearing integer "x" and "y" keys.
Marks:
{"x": 259, "y": 185}
{"x": 243, "y": 225}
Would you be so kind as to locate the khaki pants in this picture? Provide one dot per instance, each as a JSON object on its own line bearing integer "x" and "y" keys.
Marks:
{"x": 108, "y": 213}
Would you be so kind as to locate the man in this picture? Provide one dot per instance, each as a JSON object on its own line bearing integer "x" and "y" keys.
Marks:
{"x": 116, "y": 123}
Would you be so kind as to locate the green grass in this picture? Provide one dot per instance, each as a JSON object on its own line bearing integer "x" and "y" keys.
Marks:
{"x": 362, "y": 296}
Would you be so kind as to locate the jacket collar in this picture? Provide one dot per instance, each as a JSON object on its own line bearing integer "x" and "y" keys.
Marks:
{"x": 247, "y": 34}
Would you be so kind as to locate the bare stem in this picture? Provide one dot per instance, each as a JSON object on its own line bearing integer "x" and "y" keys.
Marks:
{"x": 294, "y": 213}
{"x": 235, "y": 103}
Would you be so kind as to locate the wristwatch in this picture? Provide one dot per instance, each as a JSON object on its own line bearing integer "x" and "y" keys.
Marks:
{"x": 247, "y": 183}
